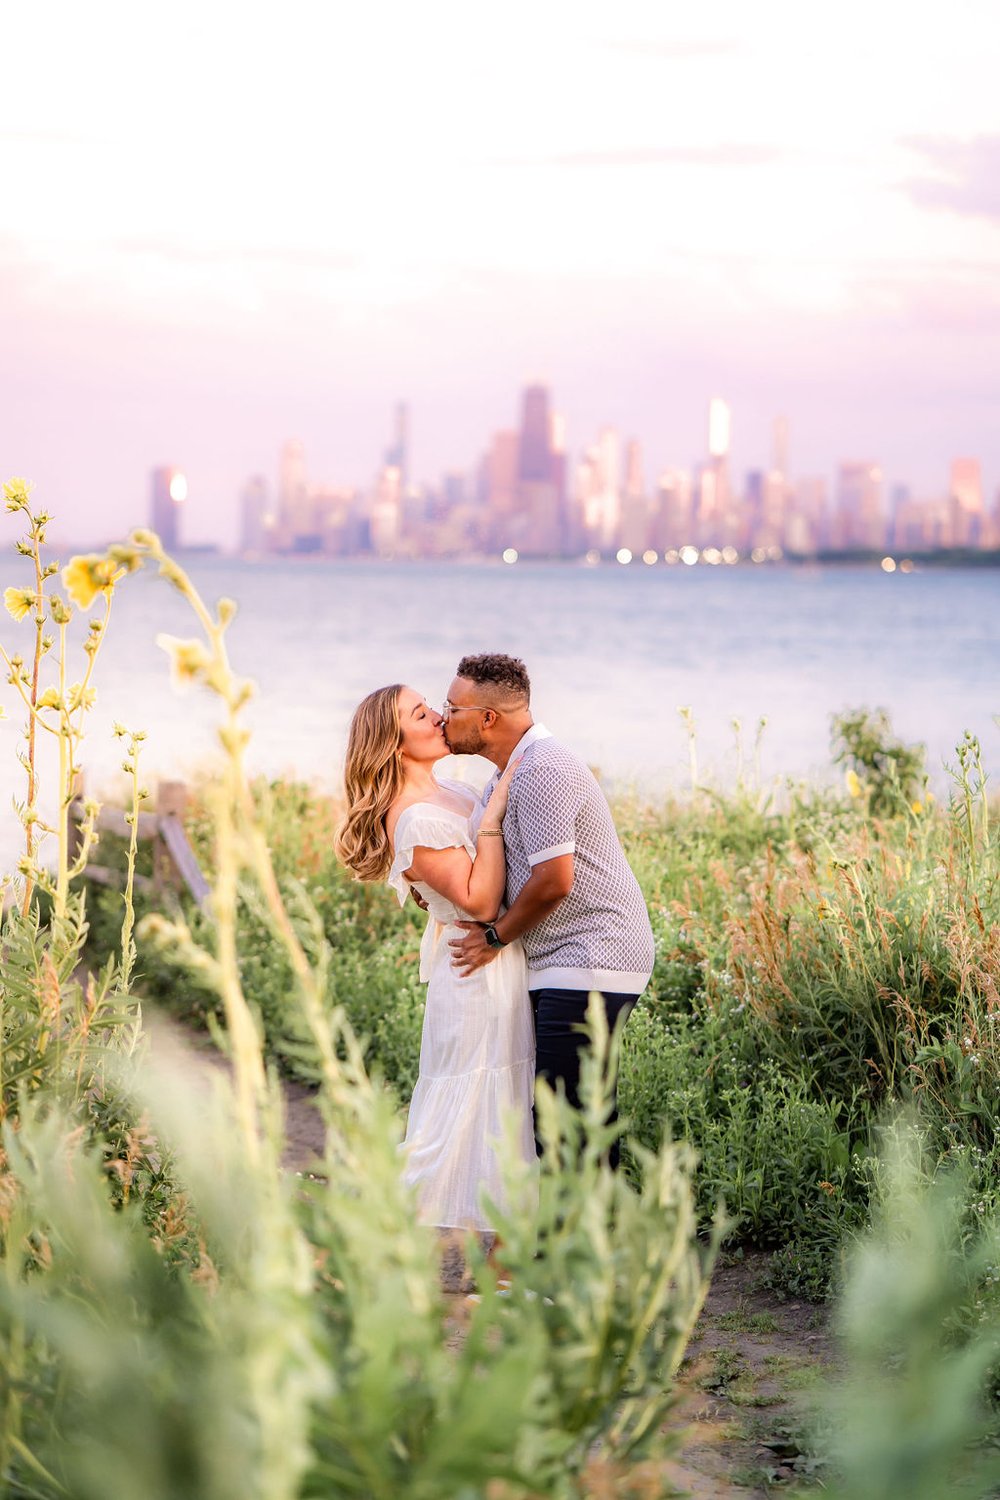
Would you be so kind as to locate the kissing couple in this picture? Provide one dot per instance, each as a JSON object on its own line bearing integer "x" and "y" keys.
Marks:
{"x": 531, "y": 906}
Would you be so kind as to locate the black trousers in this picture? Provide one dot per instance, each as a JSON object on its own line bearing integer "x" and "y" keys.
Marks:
{"x": 559, "y": 1045}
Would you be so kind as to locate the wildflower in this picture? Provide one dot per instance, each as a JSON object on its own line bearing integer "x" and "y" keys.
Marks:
{"x": 15, "y": 493}
{"x": 189, "y": 660}
{"x": 19, "y": 601}
{"x": 227, "y": 611}
{"x": 50, "y": 699}
{"x": 81, "y": 697}
{"x": 125, "y": 557}
{"x": 917, "y": 808}
{"x": 87, "y": 576}
{"x": 853, "y": 782}
{"x": 59, "y": 610}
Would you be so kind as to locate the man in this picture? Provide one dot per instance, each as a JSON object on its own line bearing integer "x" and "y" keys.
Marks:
{"x": 571, "y": 897}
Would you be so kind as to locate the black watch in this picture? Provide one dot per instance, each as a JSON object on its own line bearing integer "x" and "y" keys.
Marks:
{"x": 492, "y": 937}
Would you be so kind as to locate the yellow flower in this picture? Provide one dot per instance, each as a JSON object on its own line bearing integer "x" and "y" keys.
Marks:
{"x": 15, "y": 493}
{"x": 853, "y": 783}
{"x": 916, "y": 807}
{"x": 49, "y": 699}
{"x": 189, "y": 660}
{"x": 18, "y": 602}
{"x": 88, "y": 575}
{"x": 79, "y": 695}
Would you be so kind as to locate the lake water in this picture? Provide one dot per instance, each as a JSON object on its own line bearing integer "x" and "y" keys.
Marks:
{"x": 613, "y": 652}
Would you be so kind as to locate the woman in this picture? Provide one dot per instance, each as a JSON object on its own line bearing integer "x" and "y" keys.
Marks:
{"x": 477, "y": 1048}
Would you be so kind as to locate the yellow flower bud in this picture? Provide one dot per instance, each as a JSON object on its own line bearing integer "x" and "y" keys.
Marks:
{"x": 189, "y": 660}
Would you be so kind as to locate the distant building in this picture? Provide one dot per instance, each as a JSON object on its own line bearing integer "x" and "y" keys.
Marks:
{"x": 535, "y": 436}
{"x": 294, "y": 516}
{"x": 397, "y": 455}
{"x": 717, "y": 520}
{"x": 858, "y": 521}
{"x": 256, "y": 519}
{"x": 386, "y": 515}
{"x": 965, "y": 495}
{"x": 168, "y": 493}
{"x": 636, "y": 511}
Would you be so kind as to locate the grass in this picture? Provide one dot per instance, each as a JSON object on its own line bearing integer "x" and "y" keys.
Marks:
{"x": 817, "y": 967}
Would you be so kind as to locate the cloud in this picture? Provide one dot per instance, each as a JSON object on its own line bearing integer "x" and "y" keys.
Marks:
{"x": 687, "y": 51}
{"x": 733, "y": 154}
{"x": 966, "y": 174}
{"x": 183, "y": 252}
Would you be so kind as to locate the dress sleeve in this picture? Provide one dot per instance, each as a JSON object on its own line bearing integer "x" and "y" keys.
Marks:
{"x": 421, "y": 827}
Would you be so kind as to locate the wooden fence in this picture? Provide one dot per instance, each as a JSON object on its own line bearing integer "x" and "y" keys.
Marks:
{"x": 175, "y": 864}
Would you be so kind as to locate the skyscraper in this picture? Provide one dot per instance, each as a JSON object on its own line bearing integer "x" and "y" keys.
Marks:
{"x": 256, "y": 522}
{"x": 293, "y": 495}
{"x": 397, "y": 455}
{"x": 965, "y": 494}
{"x": 168, "y": 493}
{"x": 716, "y": 522}
{"x": 719, "y": 425}
{"x": 858, "y": 520}
{"x": 534, "y": 459}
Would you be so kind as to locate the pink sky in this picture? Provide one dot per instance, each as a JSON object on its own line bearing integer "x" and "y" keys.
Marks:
{"x": 223, "y": 225}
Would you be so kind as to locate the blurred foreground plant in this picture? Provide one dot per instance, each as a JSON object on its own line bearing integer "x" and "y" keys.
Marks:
{"x": 912, "y": 1418}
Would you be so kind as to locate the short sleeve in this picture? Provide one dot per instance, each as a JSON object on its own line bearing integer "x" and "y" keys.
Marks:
{"x": 547, "y": 802}
{"x": 424, "y": 827}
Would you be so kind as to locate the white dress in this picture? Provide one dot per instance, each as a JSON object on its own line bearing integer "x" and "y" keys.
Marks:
{"x": 477, "y": 1050}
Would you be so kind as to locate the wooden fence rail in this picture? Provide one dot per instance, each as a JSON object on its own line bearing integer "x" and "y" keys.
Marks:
{"x": 174, "y": 861}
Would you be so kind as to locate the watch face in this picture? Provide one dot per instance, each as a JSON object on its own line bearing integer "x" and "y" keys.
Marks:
{"x": 492, "y": 937}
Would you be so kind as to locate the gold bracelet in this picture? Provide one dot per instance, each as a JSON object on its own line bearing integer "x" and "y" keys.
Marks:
{"x": 490, "y": 833}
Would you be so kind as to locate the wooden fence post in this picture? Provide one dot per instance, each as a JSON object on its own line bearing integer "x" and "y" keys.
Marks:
{"x": 171, "y": 800}
{"x": 74, "y": 833}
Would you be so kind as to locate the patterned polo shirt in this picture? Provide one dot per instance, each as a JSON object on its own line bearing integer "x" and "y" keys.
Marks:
{"x": 599, "y": 937}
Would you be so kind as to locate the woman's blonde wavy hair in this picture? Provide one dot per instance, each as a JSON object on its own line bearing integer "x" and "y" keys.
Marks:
{"x": 373, "y": 779}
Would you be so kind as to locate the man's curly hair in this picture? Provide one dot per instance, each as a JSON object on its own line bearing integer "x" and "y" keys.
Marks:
{"x": 507, "y": 675}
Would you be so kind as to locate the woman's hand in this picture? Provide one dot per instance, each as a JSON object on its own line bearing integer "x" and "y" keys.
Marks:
{"x": 496, "y": 807}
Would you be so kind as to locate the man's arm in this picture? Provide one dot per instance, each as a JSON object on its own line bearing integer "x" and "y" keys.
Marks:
{"x": 549, "y": 883}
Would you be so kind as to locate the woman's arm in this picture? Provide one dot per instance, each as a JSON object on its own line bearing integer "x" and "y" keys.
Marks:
{"x": 475, "y": 885}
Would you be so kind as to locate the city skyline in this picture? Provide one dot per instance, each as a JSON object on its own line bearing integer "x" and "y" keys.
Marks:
{"x": 529, "y": 496}
{"x": 229, "y": 227}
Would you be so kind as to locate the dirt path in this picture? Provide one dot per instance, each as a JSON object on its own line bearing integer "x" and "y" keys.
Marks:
{"x": 744, "y": 1388}
{"x": 744, "y": 1385}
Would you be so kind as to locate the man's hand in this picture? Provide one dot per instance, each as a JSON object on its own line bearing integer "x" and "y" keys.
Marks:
{"x": 418, "y": 898}
{"x": 471, "y": 952}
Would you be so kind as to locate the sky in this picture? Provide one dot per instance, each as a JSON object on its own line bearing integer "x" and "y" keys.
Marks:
{"x": 225, "y": 225}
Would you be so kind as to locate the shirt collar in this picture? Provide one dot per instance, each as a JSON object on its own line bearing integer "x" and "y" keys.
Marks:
{"x": 530, "y": 737}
